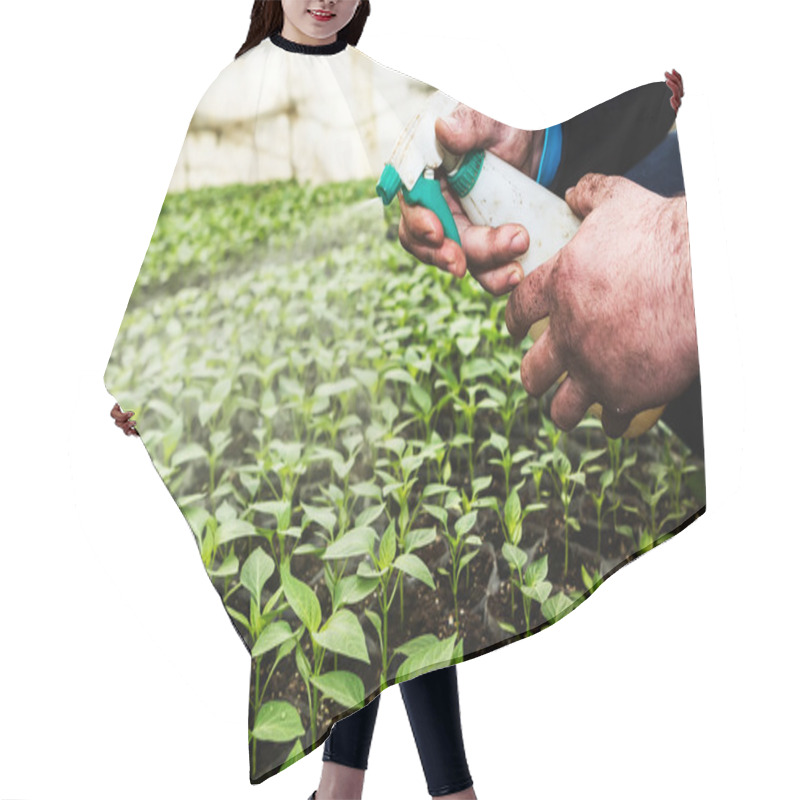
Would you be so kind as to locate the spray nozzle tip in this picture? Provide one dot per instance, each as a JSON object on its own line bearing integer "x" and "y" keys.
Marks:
{"x": 389, "y": 184}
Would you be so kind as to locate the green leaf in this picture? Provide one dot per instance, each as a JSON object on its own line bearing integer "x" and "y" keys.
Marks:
{"x": 188, "y": 453}
{"x": 307, "y": 547}
{"x": 421, "y": 397}
{"x": 500, "y": 443}
{"x": 238, "y": 616}
{"x": 467, "y": 344}
{"x": 301, "y": 598}
{"x": 343, "y": 634}
{"x": 514, "y": 555}
{"x": 400, "y": 375}
{"x": 280, "y": 509}
{"x": 225, "y": 512}
{"x": 538, "y": 592}
{"x": 345, "y": 687}
{"x": 556, "y": 606}
{"x": 357, "y": 542}
{"x": 294, "y": 754}
{"x": 513, "y": 510}
{"x": 419, "y": 537}
{"x": 303, "y": 667}
{"x": 234, "y": 529}
{"x": 369, "y": 515}
{"x": 256, "y": 571}
{"x": 366, "y": 489}
{"x": 277, "y": 721}
{"x": 353, "y": 589}
{"x": 537, "y": 571}
{"x": 586, "y": 578}
{"x": 230, "y": 566}
{"x": 432, "y": 654}
{"x": 388, "y": 547}
{"x": 374, "y": 619}
{"x": 365, "y": 570}
{"x": 322, "y": 516}
{"x": 479, "y": 484}
{"x": 271, "y": 637}
{"x": 367, "y": 377}
{"x": 436, "y": 488}
{"x": 477, "y": 368}
{"x": 220, "y": 391}
{"x": 197, "y": 517}
{"x": 415, "y": 567}
{"x": 335, "y": 389}
{"x": 466, "y": 523}
{"x": 437, "y": 512}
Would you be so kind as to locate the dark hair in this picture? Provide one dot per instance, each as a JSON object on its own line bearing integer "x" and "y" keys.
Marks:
{"x": 266, "y": 18}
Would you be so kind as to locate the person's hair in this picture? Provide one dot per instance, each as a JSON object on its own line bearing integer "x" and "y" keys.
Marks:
{"x": 266, "y": 19}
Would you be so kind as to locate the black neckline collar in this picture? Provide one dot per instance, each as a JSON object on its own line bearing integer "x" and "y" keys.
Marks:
{"x": 308, "y": 49}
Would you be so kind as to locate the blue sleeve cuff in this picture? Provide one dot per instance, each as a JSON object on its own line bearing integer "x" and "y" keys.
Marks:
{"x": 551, "y": 155}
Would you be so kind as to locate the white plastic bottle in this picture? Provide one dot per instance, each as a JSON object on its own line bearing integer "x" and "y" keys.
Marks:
{"x": 494, "y": 193}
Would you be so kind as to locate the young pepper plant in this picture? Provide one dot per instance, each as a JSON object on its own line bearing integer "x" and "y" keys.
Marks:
{"x": 342, "y": 633}
{"x": 385, "y": 565}
{"x": 511, "y": 519}
{"x": 456, "y": 541}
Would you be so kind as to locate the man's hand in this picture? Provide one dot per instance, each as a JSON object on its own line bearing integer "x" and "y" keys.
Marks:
{"x": 619, "y": 298}
{"x": 488, "y": 253}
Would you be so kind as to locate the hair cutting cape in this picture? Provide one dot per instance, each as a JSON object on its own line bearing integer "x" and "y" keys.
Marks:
{"x": 372, "y": 492}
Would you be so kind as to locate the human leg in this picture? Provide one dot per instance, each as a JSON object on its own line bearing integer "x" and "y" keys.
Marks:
{"x": 345, "y": 755}
{"x": 434, "y": 713}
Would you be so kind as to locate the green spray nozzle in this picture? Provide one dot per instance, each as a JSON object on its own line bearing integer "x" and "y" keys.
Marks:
{"x": 416, "y": 155}
{"x": 425, "y": 192}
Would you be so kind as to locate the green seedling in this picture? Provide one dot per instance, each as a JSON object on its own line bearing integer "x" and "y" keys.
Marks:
{"x": 620, "y": 463}
{"x": 534, "y": 586}
{"x": 385, "y": 565}
{"x": 274, "y": 359}
{"x": 567, "y": 482}
{"x": 599, "y": 497}
{"x": 457, "y": 542}
{"x": 511, "y": 519}
{"x": 341, "y": 633}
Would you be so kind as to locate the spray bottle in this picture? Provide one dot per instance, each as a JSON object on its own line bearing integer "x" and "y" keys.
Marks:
{"x": 491, "y": 192}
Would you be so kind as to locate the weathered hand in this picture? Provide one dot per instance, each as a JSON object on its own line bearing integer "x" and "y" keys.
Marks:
{"x": 488, "y": 253}
{"x": 619, "y": 298}
{"x": 122, "y": 419}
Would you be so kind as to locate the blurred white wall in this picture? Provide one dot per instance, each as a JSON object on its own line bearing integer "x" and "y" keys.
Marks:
{"x": 277, "y": 115}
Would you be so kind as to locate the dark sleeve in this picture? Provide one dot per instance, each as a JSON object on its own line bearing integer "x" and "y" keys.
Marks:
{"x": 612, "y": 137}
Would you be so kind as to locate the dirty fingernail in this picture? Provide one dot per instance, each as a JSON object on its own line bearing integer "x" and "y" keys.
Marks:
{"x": 515, "y": 277}
{"x": 518, "y": 242}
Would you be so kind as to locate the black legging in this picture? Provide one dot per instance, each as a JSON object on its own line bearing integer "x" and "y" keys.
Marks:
{"x": 433, "y": 711}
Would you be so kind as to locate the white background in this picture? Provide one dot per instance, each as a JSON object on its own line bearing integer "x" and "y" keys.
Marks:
{"x": 121, "y": 674}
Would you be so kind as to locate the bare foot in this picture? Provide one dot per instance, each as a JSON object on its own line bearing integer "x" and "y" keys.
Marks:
{"x": 339, "y": 782}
